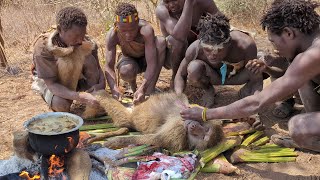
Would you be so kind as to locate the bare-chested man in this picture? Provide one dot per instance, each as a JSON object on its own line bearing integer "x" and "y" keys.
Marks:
{"x": 142, "y": 51}
{"x": 209, "y": 60}
{"x": 293, "y": 29}
{"x": 178, "y": 23}
{"x": 71, "y": 31}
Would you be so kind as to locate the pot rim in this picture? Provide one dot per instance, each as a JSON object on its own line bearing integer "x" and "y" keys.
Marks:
{"x": 54, "y": 114}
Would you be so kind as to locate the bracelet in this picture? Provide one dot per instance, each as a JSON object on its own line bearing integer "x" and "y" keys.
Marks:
{"x": 204, "y": 114}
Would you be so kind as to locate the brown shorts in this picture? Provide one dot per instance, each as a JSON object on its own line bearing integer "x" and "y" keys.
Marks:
{"x": 140, "y": 62}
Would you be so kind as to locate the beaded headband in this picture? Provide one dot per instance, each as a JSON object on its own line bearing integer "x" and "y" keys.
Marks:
{"x": 127, "y": 19}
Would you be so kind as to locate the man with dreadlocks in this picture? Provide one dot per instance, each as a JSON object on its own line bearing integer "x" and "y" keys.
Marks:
{"x": 52, "y": 46}
{"x": 141, "y": 50}
{"x": 178, "y": 23}
{"x": 293, "y": 29}
{"x": 209, "y": 60}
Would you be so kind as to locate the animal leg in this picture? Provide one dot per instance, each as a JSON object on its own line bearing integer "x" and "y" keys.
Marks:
{"x": 124, "y": 141}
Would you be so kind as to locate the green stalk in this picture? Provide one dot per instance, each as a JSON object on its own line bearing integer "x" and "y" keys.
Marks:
{"x": 252, "y": 138}
{"x": 219, "y": 165}
{"x": 267, "y": 146}
{"x": 96, "y": 126}
{"x": 243, "y": 155}
{"x": 195, "y": 172}
{"x": 212, "y": 168}
{"x": 268, "y": 159}
{"x": 103, "y": 130}
{"x": 129, "y": 150}
{"x": 260, "y": 142}
{"x": 241, "y": 132}
{"x": 141, "y": 151}
{"x": 98, "y": 118}
{"x": 273, "y": 149}
{"x": 211, "y": 153}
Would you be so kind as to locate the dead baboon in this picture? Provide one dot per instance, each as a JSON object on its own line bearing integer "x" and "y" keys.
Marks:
{"x": 159, "y": 120}
{"x": 70, "y": 61}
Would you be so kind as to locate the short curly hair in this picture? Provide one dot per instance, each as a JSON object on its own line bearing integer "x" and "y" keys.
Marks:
{"x": 125, "y": 9}
{"x": 214, "y": 29}
{"x": 298, "y": 14}
{"x": 69, "y": 16}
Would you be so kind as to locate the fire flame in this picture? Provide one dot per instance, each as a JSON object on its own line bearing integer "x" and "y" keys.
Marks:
{"x": 70, "y": 146}
{"x": 56, "y": 166}
{"x": 25, "y": 175}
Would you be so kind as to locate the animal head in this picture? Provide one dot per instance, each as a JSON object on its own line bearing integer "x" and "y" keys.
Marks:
{"x": 203, "y": 136}
{"x": 85, "y": 48}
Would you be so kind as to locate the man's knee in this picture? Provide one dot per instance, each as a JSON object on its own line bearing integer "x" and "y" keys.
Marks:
{"x": 128, "y": 72}
{"x": 196, "y": 71}
{"x": 297, "y": 129}
{"x": 59, "y": 104}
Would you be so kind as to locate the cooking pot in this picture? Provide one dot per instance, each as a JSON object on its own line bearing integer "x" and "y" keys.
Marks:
{"x": 54, "y": 143}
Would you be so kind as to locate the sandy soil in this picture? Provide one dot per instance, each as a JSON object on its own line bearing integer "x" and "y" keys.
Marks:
{"x": 18, "y": 103}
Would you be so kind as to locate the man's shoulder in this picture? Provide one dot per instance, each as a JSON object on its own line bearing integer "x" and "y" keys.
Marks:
{"x": 162, "y": 11}
{"x": 243, "y": 39}
{"x": 193, "y": 49}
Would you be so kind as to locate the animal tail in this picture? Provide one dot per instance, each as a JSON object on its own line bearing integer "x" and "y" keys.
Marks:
{"x": 119, "y": 114}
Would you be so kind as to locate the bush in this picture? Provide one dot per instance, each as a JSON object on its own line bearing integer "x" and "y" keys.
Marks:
{"x": 244, "y": 12}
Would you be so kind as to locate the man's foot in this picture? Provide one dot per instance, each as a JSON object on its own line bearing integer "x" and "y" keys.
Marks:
{"x": 284, "y": 141}
{"x": 208, "y": 98}
{"x": 283, "y": 110}
{"x": 249, "y": 89}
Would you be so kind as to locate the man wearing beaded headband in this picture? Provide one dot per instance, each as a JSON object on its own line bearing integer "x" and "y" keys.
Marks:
{"x": 141, "y": 50}
{"x": 293, "y": 29}
{"x": 178, "y": 22}
{"x": 209, "y": 60}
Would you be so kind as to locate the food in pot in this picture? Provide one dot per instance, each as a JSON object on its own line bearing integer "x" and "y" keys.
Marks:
{"x": 52, "y": 125}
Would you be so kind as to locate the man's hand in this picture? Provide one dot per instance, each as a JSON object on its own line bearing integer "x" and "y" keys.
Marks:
{"x": 256, "y": 66}
{"x": 138, "y": 97}
{"x": 253, "y": 120}
{"x": 88, "y": 99}
{"x": 194, "y": 113}
{"x": 116, "y": 94}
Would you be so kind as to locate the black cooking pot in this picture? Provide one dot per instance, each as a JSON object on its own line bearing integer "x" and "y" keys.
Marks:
{"x": 54, "y": 143}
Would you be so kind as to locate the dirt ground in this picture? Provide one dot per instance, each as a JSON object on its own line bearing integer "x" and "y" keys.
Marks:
{"x": 18, "y": 103}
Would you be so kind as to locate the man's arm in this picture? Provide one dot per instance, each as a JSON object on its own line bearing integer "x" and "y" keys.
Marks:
{"x": 110, "y": 62}
{"x": 60, "y": 90}
{"x": 182, "y": 73}
{"x": 150, "y": 55}
{"x": 177, "y": 29}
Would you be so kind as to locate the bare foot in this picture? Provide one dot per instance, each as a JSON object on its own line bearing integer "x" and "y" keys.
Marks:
{"x": 208, "y": 98}
{"x": 284, "y": 109}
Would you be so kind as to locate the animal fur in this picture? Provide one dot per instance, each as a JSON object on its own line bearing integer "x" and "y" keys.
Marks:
{"x": 70, "y": 61}
{"x": 158, "y": 119}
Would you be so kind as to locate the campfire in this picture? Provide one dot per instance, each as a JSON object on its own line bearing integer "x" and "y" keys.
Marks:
{"x": 25, "y": 175}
